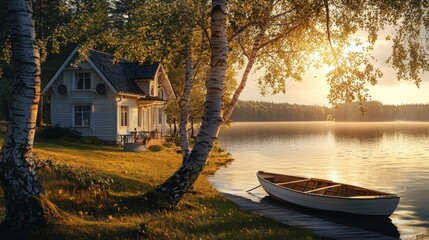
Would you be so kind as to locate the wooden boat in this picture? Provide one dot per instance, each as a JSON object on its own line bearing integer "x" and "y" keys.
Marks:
{"x": 327, "y": 195}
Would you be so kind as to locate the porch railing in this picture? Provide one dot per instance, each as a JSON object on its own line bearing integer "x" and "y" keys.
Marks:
{"x": 142, "y": 137}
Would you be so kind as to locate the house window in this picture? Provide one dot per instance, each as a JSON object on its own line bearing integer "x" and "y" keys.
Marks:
{"x": 82, "y": 116}
{"x": 160, "y": 94}
{"x": 124, "y": 116}
{"x": 139, "y": 117}
{"x": 159, "y": 116}
{"x": 83, "y": 81}
{"x": 152, "y": 89}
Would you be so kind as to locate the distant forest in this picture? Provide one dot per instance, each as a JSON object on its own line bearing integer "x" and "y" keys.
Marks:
{"x": 253, "y": 111}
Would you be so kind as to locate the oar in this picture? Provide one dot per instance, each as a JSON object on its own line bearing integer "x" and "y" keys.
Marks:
{"x": 253, "y": 188}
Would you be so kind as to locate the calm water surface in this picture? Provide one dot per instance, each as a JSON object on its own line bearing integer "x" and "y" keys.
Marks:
{"x": 391, "y": 157}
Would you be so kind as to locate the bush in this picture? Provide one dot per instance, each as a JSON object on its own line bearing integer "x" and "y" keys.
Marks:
{"x": 67, "y": 134}
{"x": 216, "y": 147}
{"x": 91, "y": 140}
{"x": 155, "y": 148}
{"x": 173, "y": 138}
{"x": 168, "y": 144}
{"x": 97, "y": 184}
{"x": 58, "y": 132}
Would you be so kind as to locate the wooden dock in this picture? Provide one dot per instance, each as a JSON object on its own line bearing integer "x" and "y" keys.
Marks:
{"x": 334, "y": 226}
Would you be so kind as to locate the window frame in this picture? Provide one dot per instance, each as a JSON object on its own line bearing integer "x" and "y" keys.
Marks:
{"x": 159, "y": 116}
{"x": 84, "y": 109}
{"x": 152, "y": 89}
{"x": 160, "y": 93}
{"x": 87, "y": 76}
{"x": 139, "y": 117}
{"x": 124, "y": 116}
{"x": 153, "y": 116}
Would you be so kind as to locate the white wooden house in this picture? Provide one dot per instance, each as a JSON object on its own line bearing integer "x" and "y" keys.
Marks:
{"x": 106, "y": 99}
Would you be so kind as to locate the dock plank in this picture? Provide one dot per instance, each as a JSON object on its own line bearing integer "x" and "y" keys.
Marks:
{"x": 290, "y": 217}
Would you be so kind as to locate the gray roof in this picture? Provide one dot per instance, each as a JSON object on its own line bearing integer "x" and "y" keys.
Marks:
{"x": 122, "y": 73}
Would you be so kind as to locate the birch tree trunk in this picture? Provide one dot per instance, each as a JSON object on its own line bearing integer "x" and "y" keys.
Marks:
{"x": 185, "y": 100}
{"x": 25, "y": 199}
{"x": 172, "y": 191}
{"x": 250, "y": 61}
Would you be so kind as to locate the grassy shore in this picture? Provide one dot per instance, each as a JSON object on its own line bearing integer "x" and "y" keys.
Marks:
{"x": 202, "y": 214}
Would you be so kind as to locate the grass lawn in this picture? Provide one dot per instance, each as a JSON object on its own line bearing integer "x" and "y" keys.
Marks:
{"x": 202, "y": 214}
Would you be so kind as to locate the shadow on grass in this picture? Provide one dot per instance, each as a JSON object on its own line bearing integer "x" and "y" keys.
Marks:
{"x": 60, "y": 144}
{"x": 117, "y": 216}
{"x": 196, "y": 217}
{"x": 76, "y": 230}
{"x": 125, "y": 198}
{"x": 218, "y": 218}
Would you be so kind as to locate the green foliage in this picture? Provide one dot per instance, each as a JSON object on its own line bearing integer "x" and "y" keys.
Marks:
{"x": 173, "y": 138}
{"x": 248, "y": 111}
{"x": 66, "y": 134}
{"x": 375, "y": 111}
{"x": 91, "y": 140}
{"x": 87, "y": 18}
{"x": 155, "y": 148}
{"x": 410, "y": 41}
{"x": 286, "y": 38}
{"x": 267, "y": 111}
{"x": 217, "y": 149}
{"x": 168, "y": 144}
{"x": 86, "y": 180}
{"x": 58, "y": 132}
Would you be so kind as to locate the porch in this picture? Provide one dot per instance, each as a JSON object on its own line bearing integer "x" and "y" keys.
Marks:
{"x": 145, "y": 138}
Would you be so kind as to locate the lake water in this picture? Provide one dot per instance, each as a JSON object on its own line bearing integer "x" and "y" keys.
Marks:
{"x": 391, "y": 157}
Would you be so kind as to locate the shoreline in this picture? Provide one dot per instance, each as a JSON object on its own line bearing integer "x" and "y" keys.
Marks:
{"x": 203, "y": 213}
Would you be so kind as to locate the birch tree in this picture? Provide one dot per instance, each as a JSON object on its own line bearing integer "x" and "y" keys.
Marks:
{"x": 285, "y": 38}
{"x": 26, "y": 202}
{"x": 172, "y": 191}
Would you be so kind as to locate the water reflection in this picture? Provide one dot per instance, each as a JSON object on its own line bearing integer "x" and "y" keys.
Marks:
{"x": 391, "y": 157}
{"x": 381, "y": 225}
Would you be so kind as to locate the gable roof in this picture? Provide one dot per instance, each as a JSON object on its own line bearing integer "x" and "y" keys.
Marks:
{"x": 141, "y": 71}
{"x": 115, "y": 73}
{"x": 122, "y": 73}
{"x": 119, "y": 75}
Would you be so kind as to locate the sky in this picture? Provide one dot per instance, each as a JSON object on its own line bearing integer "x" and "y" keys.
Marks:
{"x": 313, "y": 90}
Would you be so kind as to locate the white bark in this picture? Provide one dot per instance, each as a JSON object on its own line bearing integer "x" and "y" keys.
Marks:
{"x": 25, "y": 200}
{"x": 185, "y": 104}
{"x": 172, "y": 191}
{"x": 250, "y": 62}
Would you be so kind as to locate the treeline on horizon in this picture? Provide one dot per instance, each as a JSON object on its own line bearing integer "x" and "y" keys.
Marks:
{"x": 255, "y": 111}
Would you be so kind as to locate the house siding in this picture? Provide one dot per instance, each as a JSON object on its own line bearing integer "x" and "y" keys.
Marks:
{"x": 103, "y": 107}
{"x": 105, "y": 121}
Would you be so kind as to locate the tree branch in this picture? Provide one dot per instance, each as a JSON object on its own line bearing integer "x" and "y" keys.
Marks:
{"x": 207, "y": 34}
{"x": 328, "y": 29}
{"x": 283, "y": 13}
{"x": 243, "y": 49}
{"x": 242, "y": 29}
{"x": 278, "y": 37}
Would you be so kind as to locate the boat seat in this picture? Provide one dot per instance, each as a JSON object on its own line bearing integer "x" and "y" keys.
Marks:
{"x": 296, "y": 181}
{"x": 323, "y": 188}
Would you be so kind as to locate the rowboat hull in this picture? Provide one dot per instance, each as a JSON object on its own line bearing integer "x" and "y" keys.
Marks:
{"x": 382, "y": 205}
